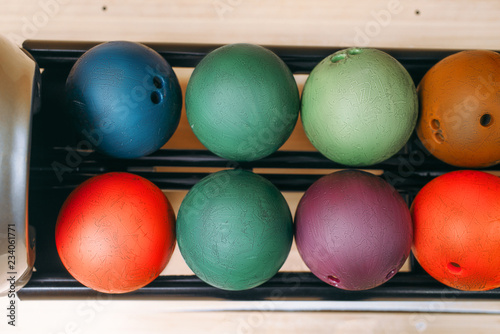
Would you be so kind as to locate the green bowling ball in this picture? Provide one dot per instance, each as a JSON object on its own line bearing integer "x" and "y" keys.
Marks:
{"x": 359, "y": 106}
{"x": 242, "y": 102}
{"x": 234, "y": 229}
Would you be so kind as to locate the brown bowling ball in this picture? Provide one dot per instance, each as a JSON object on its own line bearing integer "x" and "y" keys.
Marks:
{"x": 459, "y": 119}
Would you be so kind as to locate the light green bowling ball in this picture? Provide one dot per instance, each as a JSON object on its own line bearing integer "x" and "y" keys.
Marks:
{"x": 242, "y": 102}
{"x": 234, "y": 229}
{"x": 359, "y": 106}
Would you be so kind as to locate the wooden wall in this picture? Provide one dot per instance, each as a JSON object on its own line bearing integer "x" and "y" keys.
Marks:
{"x": 455, "y": 24}
{"x": 450, "y": 24}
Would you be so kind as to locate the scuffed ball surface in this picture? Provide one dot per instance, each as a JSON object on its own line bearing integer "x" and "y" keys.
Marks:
{"x": 242, "y": 102}
{"x": 125, "y": 98}
{"x": 457, "y": 230}
{"x": 353, "y": 230}
{"x": 116, "y": 232}
{"x": 460, "y": 109}
{"x": 234, "y": 230}
{"x": 359, "y": 107}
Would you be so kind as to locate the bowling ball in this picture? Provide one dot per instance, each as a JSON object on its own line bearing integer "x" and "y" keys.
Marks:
{"x": 124, "y": 99}
{"x": 359, "y": 106}
{"x": 353, "y": 230}
{"x": 234, "y": 230}
{"x": 115, "y": 232}
{"x": 242, "y": 102}
{"x": 457, "y": 230}
{"x": 460, "y": 109}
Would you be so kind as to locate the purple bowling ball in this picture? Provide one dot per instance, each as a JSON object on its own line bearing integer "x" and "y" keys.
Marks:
{"x": 353, "y": 230}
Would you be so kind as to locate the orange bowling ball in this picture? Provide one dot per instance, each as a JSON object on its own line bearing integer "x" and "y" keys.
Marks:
{"x": 115, "y": 232}
{"x": 459, "y": 119}
{"x": 456, "y": 221}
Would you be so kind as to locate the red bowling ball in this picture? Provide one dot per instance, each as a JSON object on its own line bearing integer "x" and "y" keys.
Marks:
{"x": 353, "y": 230}
{"x": 457, "y": 230}
{"x": 116, "y": 232}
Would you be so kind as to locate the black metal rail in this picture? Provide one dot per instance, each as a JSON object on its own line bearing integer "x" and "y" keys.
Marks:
{"x": 283, "y": 286}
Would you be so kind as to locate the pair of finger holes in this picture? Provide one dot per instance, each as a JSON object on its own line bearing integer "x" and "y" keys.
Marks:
{"x": 335, "y": 281}
{"x": 156, "y": 96}
{"x": 340, "y": 56}
{"x": 438, "y": 135}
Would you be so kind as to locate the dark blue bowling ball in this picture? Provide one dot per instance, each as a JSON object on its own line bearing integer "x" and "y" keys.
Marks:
{"x": 124, "y": 98}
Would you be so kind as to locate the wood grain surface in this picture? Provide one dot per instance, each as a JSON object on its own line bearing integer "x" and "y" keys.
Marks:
{"x": 380, "y": 23}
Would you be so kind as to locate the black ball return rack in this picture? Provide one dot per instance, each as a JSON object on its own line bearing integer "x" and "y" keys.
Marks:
{"x": 52, "y": 134}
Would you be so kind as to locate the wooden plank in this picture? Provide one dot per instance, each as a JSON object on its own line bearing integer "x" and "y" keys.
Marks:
{"x": 455, "y": 24}
{"x": 107, "y": 316}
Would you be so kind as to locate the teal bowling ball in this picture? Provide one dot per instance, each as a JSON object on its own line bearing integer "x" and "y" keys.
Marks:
{"x": 359, "y": 106}
{"x": 242, "y": 102}
{"x": 124, "y": 99}
{"x": 234, "y": 229}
